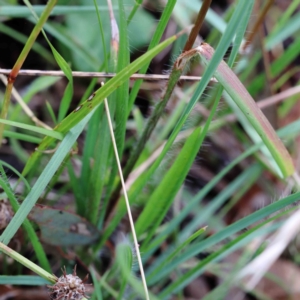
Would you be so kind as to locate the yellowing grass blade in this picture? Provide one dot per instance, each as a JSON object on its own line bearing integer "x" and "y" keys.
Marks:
{"x": 247, "y": 105}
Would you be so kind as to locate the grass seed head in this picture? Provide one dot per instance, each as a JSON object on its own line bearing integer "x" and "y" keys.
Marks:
{"x": 68, "y": 287}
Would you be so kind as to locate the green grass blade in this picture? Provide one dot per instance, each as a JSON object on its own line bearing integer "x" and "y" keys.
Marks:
{"x": 124, "y": 259}
{"x": 137, "y": 4}
{"x": 286, "y": 58}
{"x": 286, "y": 31}
{"x": 163, "y": 21}
{"x": 68, "y": 93}
{"x": 22, "y": 137}
{"x": 39, "y": 251}
{"x": 97, "y": 287}
{"x": 43, "y": 180}
{"x": 234, "y": 245}
{"x": 17, "y": 11}
{"x": 5, "y": 164}
{"x": 221, "y": 49}
{"x": 78, "y": 114}
{"x": 186, "y": 243}
{"x": 164, "y": 194}
{"x": 254, "y": 115}
{"x": 43, "y": 131}
{"x": 230, "y": 230}
{"x": 23, "y": 280}
{"x": 122, "y": 91}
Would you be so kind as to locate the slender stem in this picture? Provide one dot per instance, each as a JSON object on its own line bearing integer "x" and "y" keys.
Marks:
{"x": 126, "y": 201}
{"x": 134, "y": 10}
{"x": 15, "y": 70}
{"x": 254, "y": 30}
{"x": 198, "y": 24}
{"x": 27, "y": 263}
{"x": 177, "y": 70}
{"x": 175, "y": 75}
{"x": 149, "y": 77}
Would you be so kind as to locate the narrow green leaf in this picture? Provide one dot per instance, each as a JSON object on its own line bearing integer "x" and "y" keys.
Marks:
{"x": 186, "y": 243}
{"x": 122, "y": 91}
{"x": 68, "y": 93}
{"x": 229, "y": 231}
{"x": 163, "y": 196}
{"x": 254, "y": 115}
{"x": 79, "y": 113}
{"x": 160, "y": 29}
{"x": 286, "y": 31}
{"x": 285, "y": 58}
{"x": 220, "y": 52}
{"x": 22, "y": 137}
{"x": 234, "y": 245}
{"x": 23, "y": 280}
{"x": 124, "y": 259}
{"x": 38, "y": 248}
{"x": 43, "y": 180}
{"x": 17, "y": 11}
{"x": 47, "y": 132}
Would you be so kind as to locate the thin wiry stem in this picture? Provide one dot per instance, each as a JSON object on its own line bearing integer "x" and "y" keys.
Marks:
{"x": 149, "y": 77}
{"x": 198, "y": 24}
{"x": 249, "y": 38}
{"x": 126, "y": 200}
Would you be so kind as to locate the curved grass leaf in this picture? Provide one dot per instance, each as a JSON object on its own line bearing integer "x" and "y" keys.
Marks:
{"x": 38, "y": 248}
{"x": 44, "y": 179}
{"x": 227, "y": 232}
{"x": 234, "y": 245}
{"x": 254, "y": 115}
{"x": 163, "y": 196}
{"x": 47, "y": 132}
{"x": 124, "y": 259}
{"x": 163, "y": 21}
{"x": 97, "y": 98}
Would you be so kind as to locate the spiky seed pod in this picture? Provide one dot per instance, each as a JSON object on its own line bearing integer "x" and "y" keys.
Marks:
{"x": 6, "y": 213}
{"x": 68, "y": 287}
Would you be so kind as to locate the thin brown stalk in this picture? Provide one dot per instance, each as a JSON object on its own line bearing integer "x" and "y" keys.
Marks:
{"x": 255, "y": 29}
{"x": 198, "y": 24}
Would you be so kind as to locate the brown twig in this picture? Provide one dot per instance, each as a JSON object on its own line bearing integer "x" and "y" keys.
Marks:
{"x": 198, "y": 24}
{"x": 254, "y": 30}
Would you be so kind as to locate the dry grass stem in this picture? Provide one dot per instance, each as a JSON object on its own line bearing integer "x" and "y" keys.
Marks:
{"x": 149, "y": 77}
{"x": 126, "y": 200}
